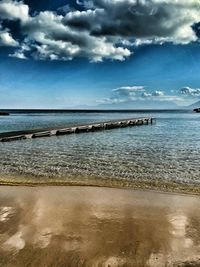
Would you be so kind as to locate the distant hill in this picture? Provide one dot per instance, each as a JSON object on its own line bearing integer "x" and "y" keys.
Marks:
{"x": 135, "y": 105}
{"x": 140, "y": 105}
{"x": 195, "y": 105}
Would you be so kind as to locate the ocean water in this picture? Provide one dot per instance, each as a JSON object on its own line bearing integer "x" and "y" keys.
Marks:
{"x": 168, "y": 150}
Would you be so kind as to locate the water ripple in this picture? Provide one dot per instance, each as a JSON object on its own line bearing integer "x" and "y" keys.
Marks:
{"x": 168, "y": 151}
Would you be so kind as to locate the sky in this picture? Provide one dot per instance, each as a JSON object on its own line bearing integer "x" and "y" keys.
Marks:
{"x": 99, "y": 53}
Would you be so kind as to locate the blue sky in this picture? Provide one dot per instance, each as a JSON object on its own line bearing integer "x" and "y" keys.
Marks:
{"x": 65, "y": 55}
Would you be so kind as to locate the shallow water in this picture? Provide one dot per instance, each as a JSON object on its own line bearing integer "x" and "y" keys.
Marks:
{"x": 97, "y": 227}
{"x": 166, "y": 151}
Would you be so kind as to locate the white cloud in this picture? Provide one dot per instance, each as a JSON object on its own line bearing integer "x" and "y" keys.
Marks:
{"x": 21, "y": 53}
{"x": 127, "y": 91}
{"x": 142, "y": 41}
{"x": 158, "y": 93}
{"x": 12, "y": 10}
{"x": 55, "y": 40}
{"x": 190, "y": 91}
{"x": 133, "y": 93}
{"x": 18, "y": 54}
{"x": 137, "y": 93}
{"x": 129, "y": 88}
{"x": 105, "y": 29}
{"x": 145, "y": 94}
{"x": 6, "y": 39}
{"x": 153, "y": 94}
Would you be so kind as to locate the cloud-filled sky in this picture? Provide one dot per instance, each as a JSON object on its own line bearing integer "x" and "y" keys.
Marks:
{"x": 104, "y": 53}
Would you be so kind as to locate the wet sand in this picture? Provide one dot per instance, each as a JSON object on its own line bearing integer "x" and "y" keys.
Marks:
{"x": 90, "y": 226}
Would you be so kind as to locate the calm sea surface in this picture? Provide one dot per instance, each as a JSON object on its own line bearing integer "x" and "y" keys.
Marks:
{"x": 166, "y": 151}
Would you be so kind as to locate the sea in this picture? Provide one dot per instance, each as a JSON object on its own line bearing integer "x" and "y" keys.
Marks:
{"x": 166, "y": 151}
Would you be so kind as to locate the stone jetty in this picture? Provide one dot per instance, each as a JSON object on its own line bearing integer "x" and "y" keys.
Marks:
{"x": 90, "y": 127}
{"x": 3, "y": 113}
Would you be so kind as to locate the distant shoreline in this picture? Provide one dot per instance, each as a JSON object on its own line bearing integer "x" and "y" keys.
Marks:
{"x": 22, "y": 111}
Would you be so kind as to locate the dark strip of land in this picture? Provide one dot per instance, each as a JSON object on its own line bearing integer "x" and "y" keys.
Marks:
{"x": 51, "y": 111}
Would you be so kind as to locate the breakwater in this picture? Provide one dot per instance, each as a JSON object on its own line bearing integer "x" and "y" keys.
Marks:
{"x": 91, "y": 127}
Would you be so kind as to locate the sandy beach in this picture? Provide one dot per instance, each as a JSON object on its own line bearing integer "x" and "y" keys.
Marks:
{"x": 90, "y": 226}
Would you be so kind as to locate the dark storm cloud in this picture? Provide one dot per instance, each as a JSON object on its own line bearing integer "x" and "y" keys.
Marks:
{"x": 168, "y": 20}
{"x": 102, "y": 29}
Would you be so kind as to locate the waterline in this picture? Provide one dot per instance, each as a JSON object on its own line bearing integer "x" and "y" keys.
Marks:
{"x": 155, "y": 185}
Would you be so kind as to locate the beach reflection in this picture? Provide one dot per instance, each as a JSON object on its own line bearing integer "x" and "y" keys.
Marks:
{"x": 85, "y": 226}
